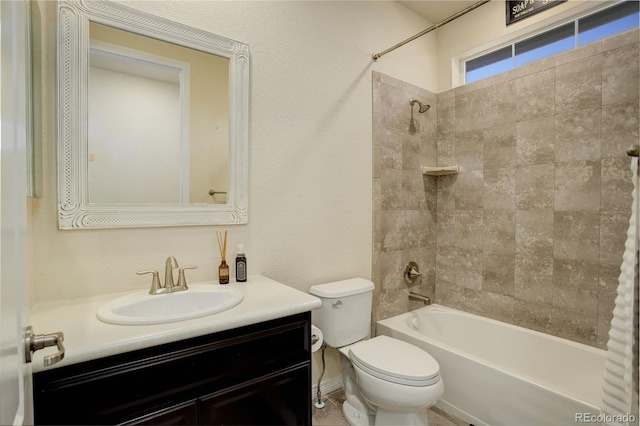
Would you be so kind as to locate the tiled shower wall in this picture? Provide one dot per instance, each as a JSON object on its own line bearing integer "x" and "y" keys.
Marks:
{"x": 531, "y": 231}
{"x": 404, "y": 201}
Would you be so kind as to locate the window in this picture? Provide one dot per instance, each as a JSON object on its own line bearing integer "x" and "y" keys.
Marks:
{"x": 608, "y": 22}
{"x": 604, "y": 23}
{"x": 490, "y": 64}
{"x": 546, "y": 44}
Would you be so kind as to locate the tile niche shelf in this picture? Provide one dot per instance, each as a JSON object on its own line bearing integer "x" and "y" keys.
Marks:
{"x": 440, "y": 170}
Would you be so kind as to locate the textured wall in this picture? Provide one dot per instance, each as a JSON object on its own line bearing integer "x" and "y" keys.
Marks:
{"x": 310, "y": 153}
{"x": 404, "y": 201}
{"x": 531, "y": 231}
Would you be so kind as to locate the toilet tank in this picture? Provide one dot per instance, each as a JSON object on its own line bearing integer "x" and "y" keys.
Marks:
{"x": 345, "y": 315}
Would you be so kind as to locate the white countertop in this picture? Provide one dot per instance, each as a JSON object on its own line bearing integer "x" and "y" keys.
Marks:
{"x": 87, "y": 338}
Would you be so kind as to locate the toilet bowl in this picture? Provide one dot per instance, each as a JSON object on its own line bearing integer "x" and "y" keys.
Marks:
{"x": 396, "y": 380}
{"x": 386, "y": 381}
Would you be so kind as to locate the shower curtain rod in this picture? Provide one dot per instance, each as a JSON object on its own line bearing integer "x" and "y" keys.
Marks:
{"x": 377, "y": 56}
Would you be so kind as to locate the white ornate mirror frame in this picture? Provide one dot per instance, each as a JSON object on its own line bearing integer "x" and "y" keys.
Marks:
{"x": 74, "y": 209}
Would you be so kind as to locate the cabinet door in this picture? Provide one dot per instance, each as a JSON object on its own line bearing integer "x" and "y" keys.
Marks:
{"x": 280, "y": 399}
{"x": 154, "y": 378}
{"x": 183, "y": 414}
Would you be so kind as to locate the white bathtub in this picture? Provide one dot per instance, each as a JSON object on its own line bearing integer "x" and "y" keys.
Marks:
{"x": 499, "y": 374}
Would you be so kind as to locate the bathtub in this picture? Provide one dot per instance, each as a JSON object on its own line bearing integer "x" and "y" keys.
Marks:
{"x": 499, "y": 374}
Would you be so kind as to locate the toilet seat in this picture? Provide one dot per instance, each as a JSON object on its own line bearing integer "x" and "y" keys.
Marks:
{"x": 395, "y": 361}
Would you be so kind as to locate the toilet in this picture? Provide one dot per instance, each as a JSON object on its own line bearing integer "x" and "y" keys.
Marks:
{"x": 386, "y": 381}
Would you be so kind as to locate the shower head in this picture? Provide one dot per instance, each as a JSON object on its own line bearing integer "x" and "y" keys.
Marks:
{"x": 423, "y": 107}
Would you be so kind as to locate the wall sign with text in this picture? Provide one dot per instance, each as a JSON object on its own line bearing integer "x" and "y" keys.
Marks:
{"x": 520, "y": 9}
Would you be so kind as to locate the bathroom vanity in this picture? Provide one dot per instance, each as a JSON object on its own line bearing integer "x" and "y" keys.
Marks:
{"x": 248, "y": 365}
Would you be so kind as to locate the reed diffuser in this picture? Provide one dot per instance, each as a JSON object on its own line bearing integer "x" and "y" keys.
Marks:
{"x": 223, "y": 269}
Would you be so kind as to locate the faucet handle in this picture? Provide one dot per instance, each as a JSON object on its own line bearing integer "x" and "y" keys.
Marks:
{"x": 182, "y": 281}
{"x": 155, "y": 281}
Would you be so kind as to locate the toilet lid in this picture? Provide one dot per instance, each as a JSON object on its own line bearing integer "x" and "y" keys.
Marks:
{"x": 395, "y": 361}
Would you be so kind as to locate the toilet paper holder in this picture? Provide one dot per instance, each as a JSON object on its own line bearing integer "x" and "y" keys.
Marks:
{"x": 317, "y": 339}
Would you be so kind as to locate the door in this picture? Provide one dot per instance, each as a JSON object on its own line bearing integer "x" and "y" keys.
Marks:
{"x": 16, "y": 405}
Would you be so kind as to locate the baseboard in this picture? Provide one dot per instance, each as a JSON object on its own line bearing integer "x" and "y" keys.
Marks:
{"x": 326, "y": 387}
{"x": 462, "y": 415}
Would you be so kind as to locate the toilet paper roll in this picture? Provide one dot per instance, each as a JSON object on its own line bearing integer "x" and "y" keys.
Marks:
{"x": 316, "y": 338}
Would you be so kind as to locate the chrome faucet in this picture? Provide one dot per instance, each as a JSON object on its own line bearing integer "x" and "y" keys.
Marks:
{"x": 169, "y": 286}
{"x": 169, "y": 266}
{"x": 418, "y": 297}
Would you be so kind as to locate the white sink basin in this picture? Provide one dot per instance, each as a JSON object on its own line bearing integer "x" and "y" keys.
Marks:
{"x": 142, "y": 308}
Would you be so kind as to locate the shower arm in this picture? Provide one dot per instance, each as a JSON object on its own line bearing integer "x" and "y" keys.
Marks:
{"x": 377, "y": 56}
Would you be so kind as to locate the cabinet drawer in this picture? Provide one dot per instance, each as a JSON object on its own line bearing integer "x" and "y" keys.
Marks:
{"x": 278, "y": 399}
{"x": 181, "y": 414}
{"x": 114, "y": 389}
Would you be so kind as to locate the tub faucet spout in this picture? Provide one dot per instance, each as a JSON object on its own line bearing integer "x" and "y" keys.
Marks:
{"x": 420, "y": 298}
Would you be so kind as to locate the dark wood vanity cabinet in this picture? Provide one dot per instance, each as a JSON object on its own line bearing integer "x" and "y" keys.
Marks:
{"x": 254, "y": 375}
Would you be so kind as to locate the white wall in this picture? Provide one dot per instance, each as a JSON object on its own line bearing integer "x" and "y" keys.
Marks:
{"x": 484, "y": 29}
{"x": 310, "y": 152}
{"x": 310, "y": 149}
{"x": 145, "y": 159}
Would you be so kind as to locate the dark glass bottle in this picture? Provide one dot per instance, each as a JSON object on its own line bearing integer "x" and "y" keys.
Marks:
{"x": 241, "y": 265}
{"x": 223, "y": 272}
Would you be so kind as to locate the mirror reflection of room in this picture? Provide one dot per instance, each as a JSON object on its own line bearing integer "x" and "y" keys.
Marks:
{"x": 158, "y": 121}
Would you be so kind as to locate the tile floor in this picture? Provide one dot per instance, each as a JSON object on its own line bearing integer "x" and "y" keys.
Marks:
{"x": 331, "y": 414}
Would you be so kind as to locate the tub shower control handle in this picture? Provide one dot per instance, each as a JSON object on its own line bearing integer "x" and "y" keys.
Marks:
{"x": 411, "y": 272}
{"x": 34, "y": 342}
{"x": 338, "y": 304}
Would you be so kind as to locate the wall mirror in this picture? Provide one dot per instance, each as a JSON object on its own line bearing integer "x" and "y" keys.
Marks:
{"x": 152, "y": 121}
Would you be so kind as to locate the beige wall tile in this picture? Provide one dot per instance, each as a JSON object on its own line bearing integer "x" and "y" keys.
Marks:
{"x": 404, "y": 200}
{"x": 499, "y": 189}
{"x": 535, "y": 141}
{"x": 576, "y": 236}
{"x": 619, "y": 128}
{"x": 578, "y": 85}
{"x": 536, "y": 95}
{"x": 577, "y": 186}
{"x": 533, "y": 278}
{"x": 578, "y": 135}
{"x": 534, "y": 187}
{"x": 446, "y": 192}
{"x": 469, "y": 187}
{"x": 532, "y": 229}
{"x": 469, "y": 150}
{"x": 468, "y": 272}
{"x": 498, "y": 273}
{"x": 534, "y": 233}
{"x": 613, "y": 234}
{"x": 468, "y": 230}
{"x": 575, "y": 285}
{"x": 499, "y": 231}
{"x": 620, "y": 74}
{"x": 574, "y": 326}
{"x": 627, "y": 37}
{"x": 499, "y": 147}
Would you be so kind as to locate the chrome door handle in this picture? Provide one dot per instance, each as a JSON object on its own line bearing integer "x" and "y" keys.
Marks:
{"x": 34, "y": 342}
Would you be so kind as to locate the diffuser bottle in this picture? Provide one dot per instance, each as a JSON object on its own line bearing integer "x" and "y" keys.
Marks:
{"x": 223, "y": 272}
{"x": 223, "y": 269}
{"x": 241, "y": 265}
